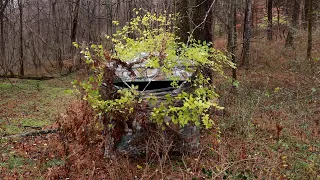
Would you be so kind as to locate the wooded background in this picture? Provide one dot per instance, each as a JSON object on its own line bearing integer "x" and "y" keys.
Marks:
{"x": 36, "y": 35}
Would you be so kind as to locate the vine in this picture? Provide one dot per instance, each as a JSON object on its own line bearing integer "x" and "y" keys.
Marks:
{"x": 153, "y": 35}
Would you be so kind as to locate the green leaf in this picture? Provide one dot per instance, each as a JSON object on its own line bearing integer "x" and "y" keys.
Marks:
{"x": 236, "y": 83}
{"x": 267, "y": 93}
{"x": 68, "y": 91}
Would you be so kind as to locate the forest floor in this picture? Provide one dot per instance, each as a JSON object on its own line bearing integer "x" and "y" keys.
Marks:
{"x": 270, "y": 128}
{"x": 28, "y": 106}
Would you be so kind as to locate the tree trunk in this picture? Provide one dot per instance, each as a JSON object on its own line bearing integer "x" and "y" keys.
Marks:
{"x": 57, "y": 37}
{"x": 2, "y": 41}
{"x": 247, "y": 34}
{"x": 294, "y": 23}
{"x": 21, "y": 70}
{"x": 278, "y": 23}
{"x": 270, "y": 17}
{"x": 99, "y": 21}
{"x": 74, "y": 27}
{"x": 198, "y": 14}
{"x": 75, "y": 22}
{"x": 130, "y": 16}
{"x": 3, "y": 5}
{"x": 38, "y": 59}
{"x": 310, "y": 29}
{"x": 306, "y": 14}
{"x": 235, "y": 40}
{"x": 213, "y": 27}
{"x": 203, "y": 33}
{"x": 109, "y": 18}
{"x": 183, "y": 20}
{"x": 232, "y": 35}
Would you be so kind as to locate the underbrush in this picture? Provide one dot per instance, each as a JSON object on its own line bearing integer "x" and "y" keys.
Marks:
{"x": 274, "y": 115}
{"x": 276, "y": 126}
{"x": 269, "y": 130}
{"x": 266, "y": 133}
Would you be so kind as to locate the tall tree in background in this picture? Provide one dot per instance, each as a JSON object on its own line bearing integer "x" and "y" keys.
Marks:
{"x": 57, "y": 33}
{"x": 196, "y": 18}
{"x": 202, "y": 16}
{"x": 294, "y": 23}
{"x": 74, "y": 24}
{"x": 232, "y": 34}
{"x": 183, "y": 20}
{"x": 247, "y": 34}
{"x": 109, "y": 17}
{"x": 306, "y": 14}
{"x": 310, "y": 28}
{"x": 3, "y": 5}
{"x": 270, "y": 17}
{"x": 49, "y": 26}
{"x": 21, "y": 70}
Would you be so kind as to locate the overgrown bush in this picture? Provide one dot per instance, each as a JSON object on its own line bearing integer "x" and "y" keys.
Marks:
{"x": 154, "y": 35}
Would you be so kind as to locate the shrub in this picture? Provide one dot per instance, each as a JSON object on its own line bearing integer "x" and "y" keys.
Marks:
{"x": 153, "y": 35}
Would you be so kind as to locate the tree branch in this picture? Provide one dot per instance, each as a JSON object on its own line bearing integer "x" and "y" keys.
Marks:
{"x": 204, "y": 20}
{"x": 32, "y": 133}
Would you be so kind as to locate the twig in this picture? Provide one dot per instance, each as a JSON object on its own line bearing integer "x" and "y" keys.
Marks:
{"x": 151, "y": 79}
{"x": 199, "y": 4}
{"x": 32, "y": 133}
{"x": 27, "y": 77}
{"x": 198, "y": 159}
{"x": 94, "y": 169}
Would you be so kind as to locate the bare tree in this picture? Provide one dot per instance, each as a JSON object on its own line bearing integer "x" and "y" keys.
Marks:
{"x": 21, "y": 70}
{"x": 247, "y": 34}
{"x": 270, "y": 17}
{"x": 183, "y": 20}
{"x": 306, "y": 14}
{"x": 294, "y": 23}
{"x": 74, "y": 25}
{"x": 36, "y": 35}
{"x": 57, "y": 32}
{"x": 3, "y": 5}
{"x": 203, "y": 15}
{"x": 232, "y": 34}
{"x": 310, "y": 29}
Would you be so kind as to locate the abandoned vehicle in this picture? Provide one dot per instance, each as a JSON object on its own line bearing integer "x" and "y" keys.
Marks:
{"x": 130, "y": 136}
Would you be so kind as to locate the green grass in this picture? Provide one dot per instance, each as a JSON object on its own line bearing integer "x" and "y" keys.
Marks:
{"x": 31, "y": 104}
{"x": 34, "y": 123}
{"x": 12, "y": 129}
{"x": 28, "y": 105}
{"x": 15, "y": 162}
{"x": 54, "y": 162}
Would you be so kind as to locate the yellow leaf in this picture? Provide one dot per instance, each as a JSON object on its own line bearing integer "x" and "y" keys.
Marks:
{"x": 277, "y": 89}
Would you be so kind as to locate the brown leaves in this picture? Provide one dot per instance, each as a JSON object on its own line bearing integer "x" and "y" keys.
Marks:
{"x": 78, "y": 123}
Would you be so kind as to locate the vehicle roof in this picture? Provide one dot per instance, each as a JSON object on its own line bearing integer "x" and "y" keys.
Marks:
{"x": 144, "y": 73}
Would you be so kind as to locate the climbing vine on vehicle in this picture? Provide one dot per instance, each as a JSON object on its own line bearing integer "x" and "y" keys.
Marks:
{"x": 149, "y": 40}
